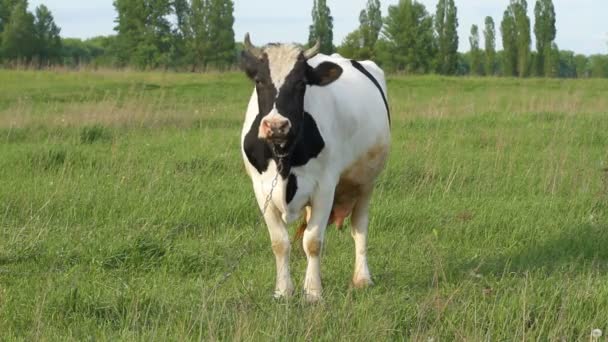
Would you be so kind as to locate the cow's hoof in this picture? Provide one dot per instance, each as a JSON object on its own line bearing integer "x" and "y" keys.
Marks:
{"x": 313, "y": 297}
{"x": 283, "y": 294}
{"x": 362, "y": 283}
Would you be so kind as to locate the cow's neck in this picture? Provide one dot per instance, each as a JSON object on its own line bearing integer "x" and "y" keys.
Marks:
{"x": 282, "y": 154}
{"x": 306, "y": 145}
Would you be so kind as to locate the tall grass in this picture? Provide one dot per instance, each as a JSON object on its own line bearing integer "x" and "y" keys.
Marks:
{"x": 125, "y": 214}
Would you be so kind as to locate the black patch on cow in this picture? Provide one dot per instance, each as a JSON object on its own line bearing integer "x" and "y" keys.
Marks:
{"x": 307, "y": 145}
{"x": 258, "y": 69}
{"x": 292, "y": 188}
{"x": 364, "y": 71}
{"x": 257, "y": 151}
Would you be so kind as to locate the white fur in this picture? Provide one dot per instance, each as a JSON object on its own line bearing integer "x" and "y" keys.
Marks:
{"x": 351, "y": 116}
{"x": 281, "y": 59}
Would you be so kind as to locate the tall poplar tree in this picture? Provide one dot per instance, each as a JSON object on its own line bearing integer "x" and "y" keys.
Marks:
{"x": 476, "y": 64}
{"x": 515, "y": 29}
{"x": 522, "y": 25}
{"x": 361, "y": 43}
{"x": 490, "y": 46}
{"x": 509, "y": 43}
{"x": 370, "y": 21}
{"x": 322, "y": 27}
{"x": 446, "y": 28}
{"x": 545, "y": 32}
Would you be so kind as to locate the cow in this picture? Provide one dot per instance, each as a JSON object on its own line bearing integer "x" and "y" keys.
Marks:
{"x": 315, "y": 138}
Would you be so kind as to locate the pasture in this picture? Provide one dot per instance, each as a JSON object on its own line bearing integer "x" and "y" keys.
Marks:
{"x": 126, "y": 214}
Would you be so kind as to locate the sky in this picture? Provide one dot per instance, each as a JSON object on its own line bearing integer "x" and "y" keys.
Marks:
{"x": 581, "y": 24}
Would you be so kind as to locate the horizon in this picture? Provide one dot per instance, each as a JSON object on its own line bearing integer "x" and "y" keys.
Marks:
{"x": 589, "y": 36}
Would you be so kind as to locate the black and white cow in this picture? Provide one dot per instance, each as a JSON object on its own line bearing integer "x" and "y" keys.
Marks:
{"x": 322, "y": 123}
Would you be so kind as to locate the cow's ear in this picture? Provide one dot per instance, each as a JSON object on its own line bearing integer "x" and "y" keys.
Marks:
{"x": 324, "y": 74}
{"x": 249, "y": 64}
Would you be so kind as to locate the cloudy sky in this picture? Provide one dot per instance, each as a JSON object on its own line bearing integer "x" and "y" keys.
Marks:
{"x": 581, "y": 24}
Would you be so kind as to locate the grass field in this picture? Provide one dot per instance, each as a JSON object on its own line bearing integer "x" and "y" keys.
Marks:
{"x": 126, "y": 214}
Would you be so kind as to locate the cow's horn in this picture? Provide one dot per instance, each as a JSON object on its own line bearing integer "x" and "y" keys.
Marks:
{"x": 250, "y": 48}
{"x": 313, "y": 51}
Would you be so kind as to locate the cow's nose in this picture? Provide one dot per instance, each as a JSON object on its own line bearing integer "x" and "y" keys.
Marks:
{"x": 275, "y": 128}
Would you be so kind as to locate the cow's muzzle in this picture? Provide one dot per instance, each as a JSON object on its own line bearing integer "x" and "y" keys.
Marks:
{"x": 275, "y": 129}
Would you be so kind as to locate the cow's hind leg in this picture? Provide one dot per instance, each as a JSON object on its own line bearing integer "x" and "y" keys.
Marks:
{"x": 360, "y": 221}
{"x": 279, "y": 237}
{"x": 313, "y": 241}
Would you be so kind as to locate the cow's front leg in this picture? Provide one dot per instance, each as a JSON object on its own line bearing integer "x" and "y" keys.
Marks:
{"x": 279, "y": 238}
{"x": 313, "y": 241}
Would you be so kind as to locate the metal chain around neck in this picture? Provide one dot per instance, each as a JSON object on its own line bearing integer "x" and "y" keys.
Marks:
{"x": 275, "y": 181}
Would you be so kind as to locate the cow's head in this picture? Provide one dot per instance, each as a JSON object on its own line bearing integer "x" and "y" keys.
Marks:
{"x": 281, "y": 75}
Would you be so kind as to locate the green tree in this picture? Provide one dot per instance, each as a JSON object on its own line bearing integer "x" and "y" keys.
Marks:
{"x": 322, "y": 27}
{"x": 410, "y": 41}
{"x": 490, "y": 46}
{"x": 566, "y": 64}
{"x": 182, "y": 11}
{"x": 220, "y": 33}
{"x": 6, "y": 8}
{"x": 509, "y": 42}
{"x": 48, "y": 40}
{"x": 522, "y": 25}
{"x": 353, "y": 46}
{"x": 598, "y": 65}
{"x": 464, "y": 64}
{"x": 582, "y": 66}
{"x": 129, "y": 28}
{"x": 552, "y": 61}
{"x": 515, "y": 29}
{"x": 18, "y": 37}
{"x": 361, "y": 43}
{"x": 181, "y": 32}
{"x": 5, "y": 13}
{"x": 545, "y": 32}
{"x": 76, "y": 52}
{"x": 476, "y": 63}
{"x": 144, "y": 32}
{"x": 446, "y": 28}
{"x": 198, "y": 37}
{"x": 210, "y": 34}
{"x": 370, "y": 21}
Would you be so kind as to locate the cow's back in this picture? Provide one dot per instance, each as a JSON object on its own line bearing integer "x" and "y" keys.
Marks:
{"x": 352, "y": 113}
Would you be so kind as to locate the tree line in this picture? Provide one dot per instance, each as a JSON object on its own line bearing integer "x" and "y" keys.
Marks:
{"x": 198, "y": 35}
{"x": 150, "y": 34}
{"x": 411, "y": 40}
{"x": 25, "y": 36}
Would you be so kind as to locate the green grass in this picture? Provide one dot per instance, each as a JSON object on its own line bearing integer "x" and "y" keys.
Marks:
{"x": 126, "y": 214}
